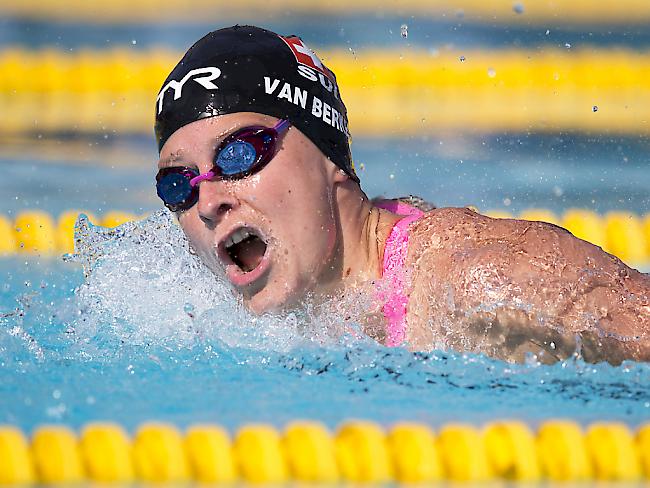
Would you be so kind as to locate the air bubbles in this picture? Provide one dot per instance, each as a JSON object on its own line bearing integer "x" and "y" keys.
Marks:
{"x": 404, "y": 31}
{"x": 185, "y": 301}
{"x": 518, "y": 8}
{"x": 594, "y": 108}
{"x": 567, "y": 45}
{"x": 134, "y": 42}
{"x": 462, "y": 58}
{"x": 491, "y": 72}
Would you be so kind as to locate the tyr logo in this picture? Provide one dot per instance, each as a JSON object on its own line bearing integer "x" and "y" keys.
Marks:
{"x": 210, "y": 73}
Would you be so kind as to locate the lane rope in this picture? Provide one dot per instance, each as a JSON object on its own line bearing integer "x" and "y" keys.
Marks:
{"x": 386, "y": 92}
{"x": 306, "y": 451}
{"x": 557, "y": 12}
{"x": 624, "y": 234}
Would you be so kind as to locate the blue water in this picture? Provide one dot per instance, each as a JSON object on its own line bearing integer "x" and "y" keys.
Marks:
{"x": 144, "y": 338}
{"x": 510, "y": 172}
{"x": 146, "y": 333}
{"x": 357, "y": 32}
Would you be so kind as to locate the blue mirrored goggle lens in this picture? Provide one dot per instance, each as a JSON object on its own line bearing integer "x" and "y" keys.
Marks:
{"x": 174, "y": 188}
{"x": 237, "y": 157}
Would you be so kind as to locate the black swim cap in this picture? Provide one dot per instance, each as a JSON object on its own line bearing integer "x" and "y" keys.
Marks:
{"x": 248, "y": 69}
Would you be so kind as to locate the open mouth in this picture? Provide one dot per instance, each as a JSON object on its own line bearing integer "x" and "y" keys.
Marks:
{"x": 246, "y": 248}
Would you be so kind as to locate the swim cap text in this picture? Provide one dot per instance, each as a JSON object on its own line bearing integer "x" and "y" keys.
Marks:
{"x": 211, "y": 73}
{"x": 298, "y": 96}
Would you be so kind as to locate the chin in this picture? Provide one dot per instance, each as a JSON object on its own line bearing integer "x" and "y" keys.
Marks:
{"x": 259, "y": 305}
{"x": 271, "y": 300}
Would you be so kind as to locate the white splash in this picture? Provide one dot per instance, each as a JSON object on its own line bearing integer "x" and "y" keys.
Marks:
{"x": 144, "y": 284}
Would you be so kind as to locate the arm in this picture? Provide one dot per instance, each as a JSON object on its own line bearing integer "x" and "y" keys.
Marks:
{"x": 510, "y": 287}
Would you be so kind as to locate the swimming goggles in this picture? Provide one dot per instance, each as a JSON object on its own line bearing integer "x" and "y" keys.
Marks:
{"x": 241, "y": 154}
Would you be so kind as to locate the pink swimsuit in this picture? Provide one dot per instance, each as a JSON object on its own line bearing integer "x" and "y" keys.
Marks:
{"x": 393, "y": 273}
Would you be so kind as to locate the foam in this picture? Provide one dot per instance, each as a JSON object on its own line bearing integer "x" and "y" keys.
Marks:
{"x": 143, "y": 283}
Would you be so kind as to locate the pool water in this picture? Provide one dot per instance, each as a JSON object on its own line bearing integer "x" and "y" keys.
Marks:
{"x": 509, "y": 172}
{"x": 134, "y": 328}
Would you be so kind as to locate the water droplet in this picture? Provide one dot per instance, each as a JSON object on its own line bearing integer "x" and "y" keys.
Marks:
{"x": 548, "y": 31}
{"x": 134, "y": 42}
{"x": 507, "y": 202}
{"x": 552, "y": 345}
{"x": 404, "y": 31}
{"x": 462, "y": 59}
{"x": 518, "y": 8}
{"x": 567, "y": 45}
{"x": 492, "y": 72}
{"x": 595, "y": 108}
{"x": 56, "y": 394}
{"x": 391, "y": 176}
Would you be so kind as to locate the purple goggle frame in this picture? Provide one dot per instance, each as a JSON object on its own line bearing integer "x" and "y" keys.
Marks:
{"x": 241, "y": 154}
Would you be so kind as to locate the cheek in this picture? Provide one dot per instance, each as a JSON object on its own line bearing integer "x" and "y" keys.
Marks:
{"x": 310, "y": 223}
{"x": 195, "y": 231}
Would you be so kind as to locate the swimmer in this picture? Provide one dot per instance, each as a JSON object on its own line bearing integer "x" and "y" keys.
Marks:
{"x": 255, "y": 162}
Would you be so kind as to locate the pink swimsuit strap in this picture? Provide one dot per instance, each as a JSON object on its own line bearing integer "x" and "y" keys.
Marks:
{"x": 393, "y": 272}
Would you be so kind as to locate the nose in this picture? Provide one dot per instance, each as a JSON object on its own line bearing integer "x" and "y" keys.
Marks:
{"x": 214, "y": 202}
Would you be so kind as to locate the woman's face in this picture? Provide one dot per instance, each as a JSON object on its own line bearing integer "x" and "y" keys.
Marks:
{"x": 274, "y": 232}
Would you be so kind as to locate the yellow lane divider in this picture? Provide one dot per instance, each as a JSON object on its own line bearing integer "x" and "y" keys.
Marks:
{"x": 37, "y": 232}
{"x": 405, "y": 92}
{"x": 305, "y": 451}
{"x": 623, "y": 234}
{"x": 551, "y": 12}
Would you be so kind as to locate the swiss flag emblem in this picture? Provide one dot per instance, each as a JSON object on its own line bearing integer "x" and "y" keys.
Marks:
{"x": 306, "y": 56}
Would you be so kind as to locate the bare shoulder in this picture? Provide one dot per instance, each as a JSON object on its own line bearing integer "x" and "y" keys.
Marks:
{"x": 520, "y": 278}
{"x": 461, "y": 233}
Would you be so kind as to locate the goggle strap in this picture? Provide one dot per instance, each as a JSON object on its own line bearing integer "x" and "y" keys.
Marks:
{"x": 281, "y": 126}
{"x": 198, "y": 179}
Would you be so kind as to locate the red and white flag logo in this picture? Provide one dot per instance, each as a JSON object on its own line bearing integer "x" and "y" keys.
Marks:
{"x": 306, "y": 56}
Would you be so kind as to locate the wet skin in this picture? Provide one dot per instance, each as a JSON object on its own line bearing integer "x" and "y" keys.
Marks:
{"x": 509, "y": 287}
{"x": 502, "y": 287}
{"x": 320, "y": 230}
